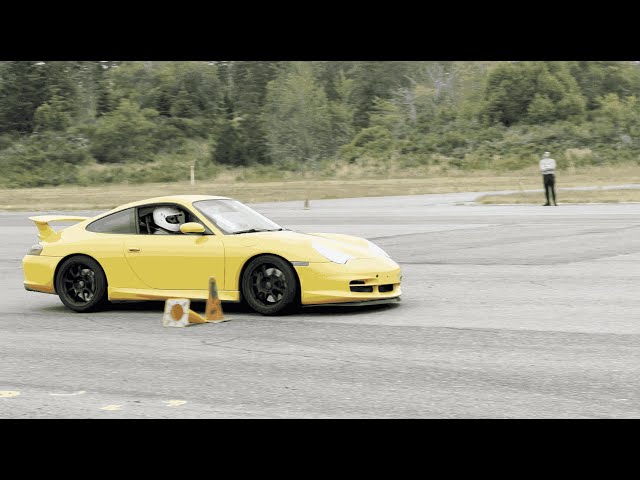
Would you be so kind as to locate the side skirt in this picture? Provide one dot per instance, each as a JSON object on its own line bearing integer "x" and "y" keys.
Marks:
{"x": 126, "y": 294}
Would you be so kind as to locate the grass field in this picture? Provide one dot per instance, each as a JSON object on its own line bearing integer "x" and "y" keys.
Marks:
{"x": 345, "y": 184}
{"x": 562, "y": 197}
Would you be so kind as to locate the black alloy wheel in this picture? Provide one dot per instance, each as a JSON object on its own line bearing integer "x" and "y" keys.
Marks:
{"x": 269, "y": 285}
{"x": 81, "y": 284}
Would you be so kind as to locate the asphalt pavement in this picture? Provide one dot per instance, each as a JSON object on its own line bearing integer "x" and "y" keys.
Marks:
{"x": 509, "y": 311}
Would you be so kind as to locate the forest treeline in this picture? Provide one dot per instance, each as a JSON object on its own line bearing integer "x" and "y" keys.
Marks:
{"x": 62, "y": 121}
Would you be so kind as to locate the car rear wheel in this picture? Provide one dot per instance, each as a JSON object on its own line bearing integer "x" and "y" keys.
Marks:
{"x": 269, "y": 285}
{"x": 81, "y": 284}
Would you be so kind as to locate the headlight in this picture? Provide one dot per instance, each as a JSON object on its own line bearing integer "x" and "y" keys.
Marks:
{"x": 35, "y": 249}
{"x": 376, "y": 250}
{"x": 329, "y": 253}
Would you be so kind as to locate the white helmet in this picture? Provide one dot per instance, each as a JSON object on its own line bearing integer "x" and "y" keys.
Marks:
{"x": 169, "y": 218}
{"x": 546, "y": 154}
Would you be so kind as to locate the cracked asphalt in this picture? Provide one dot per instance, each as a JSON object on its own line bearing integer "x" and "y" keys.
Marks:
{"x": 507, "y": 312}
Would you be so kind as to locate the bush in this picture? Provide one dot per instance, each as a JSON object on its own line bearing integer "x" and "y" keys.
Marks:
{"x": 375, "y": 142}
{"x": 43, "y": 160}
{"x": 579, "y": 156}
{"x": 126, "y": 134}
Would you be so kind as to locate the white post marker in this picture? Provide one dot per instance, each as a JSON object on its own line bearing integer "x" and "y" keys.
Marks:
{"x": 193, "y": 174}
{"x": 176, "y": 312}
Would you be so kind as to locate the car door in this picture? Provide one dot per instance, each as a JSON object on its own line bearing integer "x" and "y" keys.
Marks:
{"x": 176, "y": 262}
{"x": 108, "y": 236}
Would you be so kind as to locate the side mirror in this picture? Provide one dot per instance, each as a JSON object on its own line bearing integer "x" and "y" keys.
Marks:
{"x": 192, "y": 227}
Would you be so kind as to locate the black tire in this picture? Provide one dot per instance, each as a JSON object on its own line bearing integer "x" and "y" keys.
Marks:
{"x": 81, "y": 284}
{"x": 270, "y": 285}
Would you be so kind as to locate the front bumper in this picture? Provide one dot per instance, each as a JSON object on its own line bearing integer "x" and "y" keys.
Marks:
{"x": 38, "y": 273}
{"x": 331, "y": 283}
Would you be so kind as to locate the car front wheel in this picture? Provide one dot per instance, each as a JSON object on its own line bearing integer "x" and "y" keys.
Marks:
{"x": 269, "y": 285}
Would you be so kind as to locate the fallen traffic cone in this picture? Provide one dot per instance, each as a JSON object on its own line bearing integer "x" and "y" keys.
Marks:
{"x": 178, "y": 314}
{"x": 213, "y": 311}
{"x": 196, "y": 317}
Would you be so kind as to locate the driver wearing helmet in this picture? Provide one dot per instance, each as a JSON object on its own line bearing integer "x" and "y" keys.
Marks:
{"x": 168, "y": 220}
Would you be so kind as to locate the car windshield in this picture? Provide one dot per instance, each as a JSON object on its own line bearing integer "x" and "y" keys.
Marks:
{"x": 233, "y": 217}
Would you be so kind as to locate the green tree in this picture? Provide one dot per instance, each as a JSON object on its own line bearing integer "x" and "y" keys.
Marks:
{"x": 376, "y": 80}
{"x": 62, "y": 81}
{"x": 246, "y": 90}
{"x": 597, "y": 79}
{"x": 126, "y": 134}
{"x": 541, "y": 109}
{"x": 390, "y": 116}
{"x": 296, "y": 116}
{"x": 105, "y": 102}
{"x": 228, "y": 149}
{"x": 510, "y": 89}
{"x": 52, "y": 115}
{"x": 616, "y": 117}
{"x": 183, "y": 105}
{"x": 22, "y": 91}
{"x": 341, "y": 111}
{"x": 247, "y": 84}
{"x": 513, "y": 87}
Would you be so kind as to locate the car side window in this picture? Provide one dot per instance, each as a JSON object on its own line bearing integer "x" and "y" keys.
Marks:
{"x": 119, "y": 222}
{"x": 146, "y": 225}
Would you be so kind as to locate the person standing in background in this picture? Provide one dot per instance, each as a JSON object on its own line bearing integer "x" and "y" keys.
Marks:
{"x": 548, "y": 168}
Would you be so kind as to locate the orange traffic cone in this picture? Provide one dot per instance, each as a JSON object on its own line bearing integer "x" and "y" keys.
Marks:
{"x": 213, "y": 311}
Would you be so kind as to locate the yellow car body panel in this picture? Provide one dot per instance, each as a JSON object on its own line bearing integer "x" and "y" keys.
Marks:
{"x": 38, "y": 273}
{"x": 157, "y": 267}
{"x": 175, "y": 262}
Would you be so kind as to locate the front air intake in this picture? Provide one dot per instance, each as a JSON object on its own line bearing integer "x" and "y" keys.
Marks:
{"x": 359, "y": 286}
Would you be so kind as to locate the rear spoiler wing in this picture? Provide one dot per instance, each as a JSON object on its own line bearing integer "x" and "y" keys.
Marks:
{"x": 45, "y": 231}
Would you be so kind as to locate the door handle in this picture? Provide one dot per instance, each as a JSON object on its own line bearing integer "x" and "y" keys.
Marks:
{"x": 134, "y": 249}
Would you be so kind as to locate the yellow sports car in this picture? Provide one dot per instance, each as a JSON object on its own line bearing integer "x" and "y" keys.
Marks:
{"x": 168, "y": 247}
